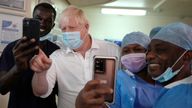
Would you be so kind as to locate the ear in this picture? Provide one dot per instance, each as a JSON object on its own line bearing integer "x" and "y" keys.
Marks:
{"x": 53, "y": 25}
{"x": 87, "y": 26}
{"x": 188, "y": 55}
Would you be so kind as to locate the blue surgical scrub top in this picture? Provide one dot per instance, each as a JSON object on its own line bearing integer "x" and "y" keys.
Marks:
{"x": 177, "y": 97}
{"x": 133, "y": 92}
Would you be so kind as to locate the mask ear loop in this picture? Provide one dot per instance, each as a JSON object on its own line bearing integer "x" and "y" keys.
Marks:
{"x": 84, "y": 37}
{"x": 179, "y": 59}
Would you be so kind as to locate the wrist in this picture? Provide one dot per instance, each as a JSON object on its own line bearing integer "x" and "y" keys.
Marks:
{"x": 40, "y": 73}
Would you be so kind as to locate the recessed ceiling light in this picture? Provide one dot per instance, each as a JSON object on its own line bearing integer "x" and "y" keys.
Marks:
{"x": 117, "y": 11}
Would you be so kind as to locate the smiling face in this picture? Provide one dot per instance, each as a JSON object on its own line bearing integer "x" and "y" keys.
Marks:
{"x": 46, "y": 18}
{"x": 162, "y": 55}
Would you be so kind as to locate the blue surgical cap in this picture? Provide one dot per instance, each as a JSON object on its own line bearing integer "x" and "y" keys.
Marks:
{"x": 179, "y": 34}
{"x": 136, "y": 38}
{"x": 154, "y": 31}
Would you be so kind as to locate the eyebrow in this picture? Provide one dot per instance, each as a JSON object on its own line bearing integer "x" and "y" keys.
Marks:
{"x": 160, "y": 44}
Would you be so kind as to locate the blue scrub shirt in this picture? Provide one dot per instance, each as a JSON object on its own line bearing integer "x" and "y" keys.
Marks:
{"x": 179, "y": 96}
{"x": 133, "y": 92}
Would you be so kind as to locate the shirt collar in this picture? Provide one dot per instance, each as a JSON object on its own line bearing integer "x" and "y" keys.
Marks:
{"x": 187, "y": 80}
{"x": 68, "y": 50}
{"x": 94, "y": 44}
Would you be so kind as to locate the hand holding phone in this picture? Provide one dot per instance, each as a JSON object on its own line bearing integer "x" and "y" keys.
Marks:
{"x": 105, "y": 69}
{"x": 31, "y": 28}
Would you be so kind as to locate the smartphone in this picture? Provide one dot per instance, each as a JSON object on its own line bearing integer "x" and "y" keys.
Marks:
{"x": 31, "y": 28}
{"x": 105, "y": 69}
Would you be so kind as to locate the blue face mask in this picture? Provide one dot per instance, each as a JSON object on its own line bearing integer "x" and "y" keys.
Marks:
{"x": 72, "y": 39}
{"x": 169, "y": 73}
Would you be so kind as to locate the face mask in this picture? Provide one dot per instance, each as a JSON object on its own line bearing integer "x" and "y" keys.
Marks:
{"x": 72, "y": 39}
{"x": 169, "y": 73}
{"x": 134, "y": 62}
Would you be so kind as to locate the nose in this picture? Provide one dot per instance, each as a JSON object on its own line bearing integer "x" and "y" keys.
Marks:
{"x": 42, "y": 22}
{"x": 67, "y": 29}
{"x": 150, "y": 55}
{"x": 132, "y": 51}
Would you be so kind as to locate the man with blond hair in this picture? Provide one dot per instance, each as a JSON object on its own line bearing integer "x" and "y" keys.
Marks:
{"x": 71, "y": 67}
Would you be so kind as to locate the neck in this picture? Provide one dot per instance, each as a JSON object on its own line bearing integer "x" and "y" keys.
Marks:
{"x": 144, "y": 75}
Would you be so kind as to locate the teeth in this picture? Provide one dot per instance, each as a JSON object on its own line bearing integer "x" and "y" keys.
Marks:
{"x": 42, "y": 30}
{"x": 152, "y": 65}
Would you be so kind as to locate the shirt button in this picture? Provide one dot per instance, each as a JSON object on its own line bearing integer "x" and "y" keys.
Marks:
{"x": 131, "y": 99}
{"x": 133, "y": 87}
{"x": 133, "y": 77}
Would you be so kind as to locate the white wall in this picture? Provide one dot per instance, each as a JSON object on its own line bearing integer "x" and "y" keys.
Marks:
{"x": 115, "y": 27}
{"x": 60, "y": 6}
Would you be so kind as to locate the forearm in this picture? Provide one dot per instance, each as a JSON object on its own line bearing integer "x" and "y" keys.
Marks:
{"x": 39, "y": 84}
{"x": 7, "y": 79}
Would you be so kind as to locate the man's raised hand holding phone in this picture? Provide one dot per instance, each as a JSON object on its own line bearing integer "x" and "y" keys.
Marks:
{"x": 93, "y": 95}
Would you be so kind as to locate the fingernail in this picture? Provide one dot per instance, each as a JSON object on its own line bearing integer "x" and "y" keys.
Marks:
{"x": 32, "y": 40}
{"x": 24, "y": 37}
{"x": 103, "y": 81}
{"x": 111, "y": 90}
{"x": 36, "y": 47}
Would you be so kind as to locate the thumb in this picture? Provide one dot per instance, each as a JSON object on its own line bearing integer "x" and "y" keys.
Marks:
{"x": 41, "y": 54}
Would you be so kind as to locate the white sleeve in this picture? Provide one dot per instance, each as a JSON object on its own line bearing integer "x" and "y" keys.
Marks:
{"x": 51, "y": 79}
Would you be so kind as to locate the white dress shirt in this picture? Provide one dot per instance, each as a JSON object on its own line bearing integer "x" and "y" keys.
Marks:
{"x": 72, "y": 71}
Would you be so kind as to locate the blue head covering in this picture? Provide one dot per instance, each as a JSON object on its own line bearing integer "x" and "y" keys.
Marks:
{"x": 154, "y": 31}
{"x": 179, "y": 34}
{"x": 136, "y": 38}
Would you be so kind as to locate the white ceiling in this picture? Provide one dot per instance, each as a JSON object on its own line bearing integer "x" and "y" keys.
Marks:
{"x": 180, "y": 8}
{"x": 88, "y": 2}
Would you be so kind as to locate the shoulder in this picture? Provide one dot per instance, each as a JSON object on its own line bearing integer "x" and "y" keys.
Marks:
{"x": 8, "y": 48}
{"x": 52, "y": 45}
{"x": 124, "y": 78}
{"x": 106, "y": 48}
{"x": 174, "y": 94}
{"x": 7, "y": 58}
{"x": 58, "y": 53}
{"x": 122, "y": 74}
{"x": 10, "y": 45}
{"x": 103, "y": 43}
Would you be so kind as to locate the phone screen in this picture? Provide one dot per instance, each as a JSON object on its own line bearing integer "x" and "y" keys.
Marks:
{"x": 104, "y": 69}
{"x": 31, "y": 28}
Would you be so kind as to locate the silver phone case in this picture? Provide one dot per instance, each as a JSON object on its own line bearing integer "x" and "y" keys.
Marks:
{"x": 116, "y": 67}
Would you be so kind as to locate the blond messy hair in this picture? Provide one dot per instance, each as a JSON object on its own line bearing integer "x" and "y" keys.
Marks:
{"x": 76, "y": 12}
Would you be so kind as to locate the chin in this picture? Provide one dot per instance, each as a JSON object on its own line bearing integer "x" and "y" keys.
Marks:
{"x": 152, "y": 73}
{"x": 43, "y": 34}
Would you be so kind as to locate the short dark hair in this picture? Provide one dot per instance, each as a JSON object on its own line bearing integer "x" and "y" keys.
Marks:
{"x": 47, "y": 6}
